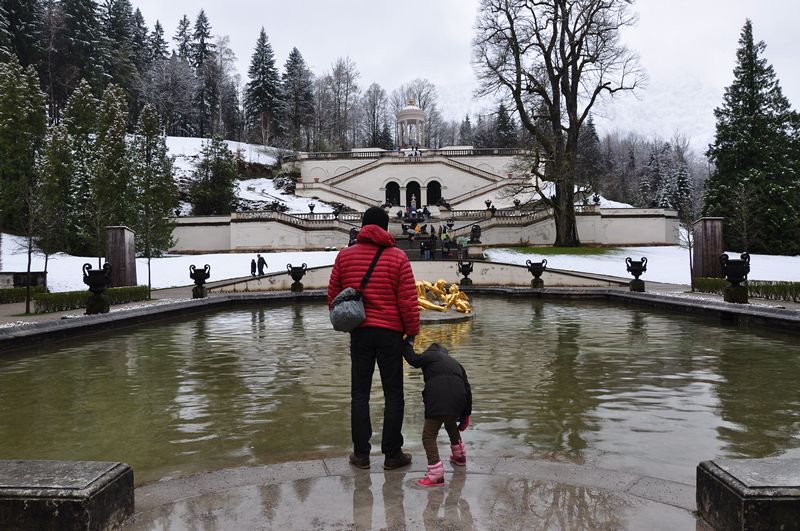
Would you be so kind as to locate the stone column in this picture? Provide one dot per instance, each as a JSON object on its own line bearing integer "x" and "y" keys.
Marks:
{"x": 708, "y": 246}
{"x": 121, "y": 254}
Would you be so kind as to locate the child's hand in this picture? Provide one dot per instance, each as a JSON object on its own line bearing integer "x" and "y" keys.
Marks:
{"x": 463, "y": 423}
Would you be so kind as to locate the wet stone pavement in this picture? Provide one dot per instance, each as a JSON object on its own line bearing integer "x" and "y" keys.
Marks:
{"x": 489, "y": 493}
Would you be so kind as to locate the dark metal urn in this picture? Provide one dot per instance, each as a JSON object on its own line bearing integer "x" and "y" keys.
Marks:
{"x": 475, "y": 234}
{"x": 735, "y": 272}
{"x": 199, "y": 291}
{"x": 636, "y": 268}
{"x": 297, "y": 273}
{"x": 97, "y": 280}
{"x": 465, "y": 268}
{"x": 536, "y": 269}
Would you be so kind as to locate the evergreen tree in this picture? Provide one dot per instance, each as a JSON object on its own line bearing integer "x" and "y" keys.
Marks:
{"x": 213, "y": 191}
{"x": 385, "y": 140}
{"x": 55, "y": 175}
{"x": 120, "y": 29}
{"x": 202, "y": 58}
{"x": 22, "y": 129}
{"x": 682, "y": 195}
{"x": 110, "y": 200}
{"x": 298, "y": 93}
{"x": 262, "y": 98}
{"x": 155, "y": 193}
{"x": 202, "y": 47}
{"x": 5, "y": 36}
{"x": 505, "y": 129}
{"x": 589, "y": 161}
{"x": 24, "y": 27}
{"x": 87, "y": 55}
{"x": 140, "y": 42}
{"x": 183, "y": 39}
{"x": 157, "y": 44}
{"x": 756, "y": 143}
{"x": 465, "y": 135}
{"x": 80, "y": 123}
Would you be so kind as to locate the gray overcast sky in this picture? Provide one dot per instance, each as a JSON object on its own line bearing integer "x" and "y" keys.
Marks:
{"x": 687, "y": 48}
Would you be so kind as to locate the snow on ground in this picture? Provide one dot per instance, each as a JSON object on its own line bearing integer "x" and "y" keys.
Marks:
{"x": 264, "y": 190}
{"x": 669, "y": 264}
{"x": 65, "y": 272}
{"x": 186, "y": 149}
{"x": 664, "y": 264}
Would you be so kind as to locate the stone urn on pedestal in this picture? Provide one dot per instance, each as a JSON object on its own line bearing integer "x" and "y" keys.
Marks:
{"x": 297, "y": 273}
{"x": 465, "y": 268}
{"x": 199, "y": 291}
{"x": 636, "y": 268}
{"x": 536, "y": 269}
{"x": 97, "y": 280}
{"x": 735, "y": 272}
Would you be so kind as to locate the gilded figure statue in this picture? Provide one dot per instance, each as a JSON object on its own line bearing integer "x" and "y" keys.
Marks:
{"x": 439, "y": 298}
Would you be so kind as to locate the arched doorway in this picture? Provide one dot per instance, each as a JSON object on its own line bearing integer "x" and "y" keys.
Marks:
{"x": 412, "y": 189}
{"x": 393, "y": 193}
{"x": 434, "y": 192}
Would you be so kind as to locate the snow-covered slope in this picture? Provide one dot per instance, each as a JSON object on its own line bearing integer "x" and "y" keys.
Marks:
{"x": 186, "y": 151}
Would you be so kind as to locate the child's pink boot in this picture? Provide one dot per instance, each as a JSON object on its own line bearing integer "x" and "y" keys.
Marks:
{"x": 459, "y": 454}
{"x": 434, "y": 477}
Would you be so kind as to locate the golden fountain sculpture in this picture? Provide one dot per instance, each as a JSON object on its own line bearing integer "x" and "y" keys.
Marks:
{"x": 437, "y": 297}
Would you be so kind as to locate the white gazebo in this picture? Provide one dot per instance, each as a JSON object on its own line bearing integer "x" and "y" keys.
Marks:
{"x": 410, "y": 126}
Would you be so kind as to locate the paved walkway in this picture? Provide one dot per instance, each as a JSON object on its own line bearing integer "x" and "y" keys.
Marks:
{"x": 489, "y": 493}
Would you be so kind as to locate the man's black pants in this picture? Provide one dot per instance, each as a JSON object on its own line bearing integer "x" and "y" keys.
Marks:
{"x": 368, "y": 345}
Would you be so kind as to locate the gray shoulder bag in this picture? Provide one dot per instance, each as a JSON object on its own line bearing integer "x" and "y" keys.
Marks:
{"x": 347, "y": 308}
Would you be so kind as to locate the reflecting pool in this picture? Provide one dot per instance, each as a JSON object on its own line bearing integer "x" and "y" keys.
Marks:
{"x": 618, "y": 387}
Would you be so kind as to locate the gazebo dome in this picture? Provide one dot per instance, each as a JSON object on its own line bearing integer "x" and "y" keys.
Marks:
{"x": 410, "y": 125}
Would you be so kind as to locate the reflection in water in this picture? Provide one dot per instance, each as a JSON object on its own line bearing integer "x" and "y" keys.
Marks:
{"x": 453, "y": 335}
{"x": 557, "y": 506}
{"x": 618, "y": 387}
{"x": 457, "y": 514}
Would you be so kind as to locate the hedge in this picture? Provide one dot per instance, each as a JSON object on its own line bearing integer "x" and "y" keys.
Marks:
{"x": 759, "y": 289}
{"x": 9, "y": 295}
{"x": 71, "y": 300}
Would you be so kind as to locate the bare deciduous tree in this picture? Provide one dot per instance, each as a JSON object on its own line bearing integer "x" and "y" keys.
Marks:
{"x": 554, "y": 59}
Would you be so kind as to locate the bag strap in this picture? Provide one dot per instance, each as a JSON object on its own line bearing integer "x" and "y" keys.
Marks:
{"x": 371, "y": 267}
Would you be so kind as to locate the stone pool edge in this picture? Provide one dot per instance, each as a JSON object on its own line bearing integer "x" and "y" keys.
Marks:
{"x": 16, "y": 337}
{"x": 159, "y": 493}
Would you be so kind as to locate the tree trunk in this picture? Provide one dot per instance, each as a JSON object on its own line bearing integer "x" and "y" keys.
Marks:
{"x": 28, "y": 277}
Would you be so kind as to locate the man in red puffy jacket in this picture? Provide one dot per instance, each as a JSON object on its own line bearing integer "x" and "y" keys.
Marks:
{"x": 392, "y": 317}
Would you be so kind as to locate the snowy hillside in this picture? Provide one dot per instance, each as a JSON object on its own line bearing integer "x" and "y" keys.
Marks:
{"x": 186, "y": 152}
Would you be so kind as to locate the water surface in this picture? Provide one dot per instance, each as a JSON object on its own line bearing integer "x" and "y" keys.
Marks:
{"x": 618, "y": 387}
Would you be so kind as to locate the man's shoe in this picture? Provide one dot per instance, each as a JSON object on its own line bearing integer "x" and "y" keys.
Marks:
{"x": 359, "y": 461}
{"x": 399, "y": 460}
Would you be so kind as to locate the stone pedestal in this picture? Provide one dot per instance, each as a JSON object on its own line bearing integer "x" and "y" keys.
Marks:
{"x": 475, "y": 251}
{"x": 296, "y": 287}
{"x": 737, "y": 294}
{"x": 98, "y": 303}
{"x": 708, "y": 246}
{"x": 199, "y": 292}
{"x": 64, "y": 495}
{"x": 537, "y": 283}
{"x": 752, "y": 494}
{"x": 637, "y": 285}
{"x": 466, "y": 281}
{"x": 121, "y": 253}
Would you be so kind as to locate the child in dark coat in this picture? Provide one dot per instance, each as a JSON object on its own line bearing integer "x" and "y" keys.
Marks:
{"x": 448, "y": 401}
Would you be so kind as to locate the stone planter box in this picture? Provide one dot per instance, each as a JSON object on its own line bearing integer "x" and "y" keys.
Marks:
{"x": 749, "y": 494}
{"x": 64, "y": 495}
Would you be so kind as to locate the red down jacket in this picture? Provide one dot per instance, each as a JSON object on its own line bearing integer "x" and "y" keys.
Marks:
{"x": 390, "y": 297}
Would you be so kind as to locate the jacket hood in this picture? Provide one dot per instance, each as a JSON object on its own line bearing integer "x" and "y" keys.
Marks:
{"x": 376, "y": 235}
